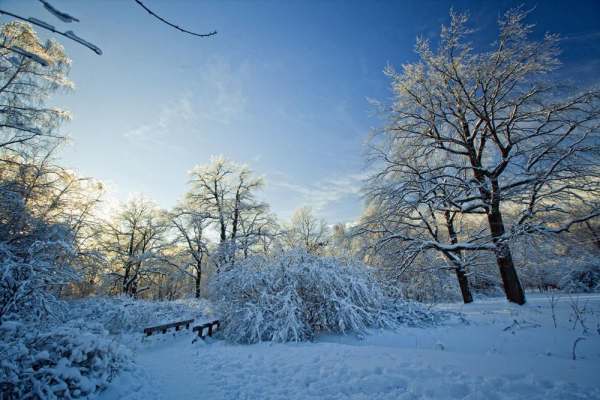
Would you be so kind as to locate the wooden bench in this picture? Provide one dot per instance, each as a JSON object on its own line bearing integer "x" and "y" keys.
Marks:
{"x": 165, "y": 327}
{"x": 211, "y": 326}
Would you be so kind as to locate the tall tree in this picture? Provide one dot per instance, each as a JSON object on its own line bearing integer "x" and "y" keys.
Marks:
{"x": 525, "y": 142}
{"x": 224, "y": 191}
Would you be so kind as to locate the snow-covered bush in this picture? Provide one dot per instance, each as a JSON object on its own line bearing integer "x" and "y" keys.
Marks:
{"x": 123, "y": 314}
{"x": 68, "y": 361}
{"x": 582, "y": 278}
{"x": 295, "y": 295}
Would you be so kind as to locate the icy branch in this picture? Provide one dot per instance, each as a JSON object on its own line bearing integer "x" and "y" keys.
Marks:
{"x": 64, "y": 17}
{"x": 51, "y": 28}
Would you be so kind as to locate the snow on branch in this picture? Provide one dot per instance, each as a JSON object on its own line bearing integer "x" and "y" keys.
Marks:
{"x": 63, "y": 16}
{"x": 173, "y": 25}
{"x": 28, "y": 54}
{"x": 51, "y": 28}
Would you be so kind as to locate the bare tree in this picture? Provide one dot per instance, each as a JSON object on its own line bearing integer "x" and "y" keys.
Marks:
{"x": 257, "y": 230}
{"x": 134, "y": 242}
{"x": 190, "y": 226}
{"x": 307, "y": 231}
{"x": 510, "y": 138}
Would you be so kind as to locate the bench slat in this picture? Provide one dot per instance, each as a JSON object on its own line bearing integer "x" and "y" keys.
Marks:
{"x": 163, "y": 328}
{"x": 209, "y": 325}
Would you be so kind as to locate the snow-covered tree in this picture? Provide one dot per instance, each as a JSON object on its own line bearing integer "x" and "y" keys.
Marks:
{"x": 226, "y": 193}
{"x": 190, "y": 233}
{"x": 411, "y": 212}
{"x": 134, "y": 241}
{"x": 501, "y": 128}
{"x": 25, "y": 85}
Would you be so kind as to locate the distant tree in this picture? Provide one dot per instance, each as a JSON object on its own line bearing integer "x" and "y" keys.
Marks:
{"x": 258, "y": 230}
{"x": 510, "y": 138}
{"x": 225, "y": 192}
{"x": 306, "y": 231}
{"x": 134, "y": 241}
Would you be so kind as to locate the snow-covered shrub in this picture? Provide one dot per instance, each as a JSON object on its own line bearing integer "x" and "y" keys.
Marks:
{"x": 582, "y": 278}
{"x": 123, "y": 314}
{"x": 295, "y": 295}
{"x": 68, "y": 361}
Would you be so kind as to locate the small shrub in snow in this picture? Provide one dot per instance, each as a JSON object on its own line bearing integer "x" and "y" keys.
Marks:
{"x": 71, "y": 361}
{"x": 296, "y": 295}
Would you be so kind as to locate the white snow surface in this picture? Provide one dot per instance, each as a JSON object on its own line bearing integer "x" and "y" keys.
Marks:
{"x": 489, "y": 357}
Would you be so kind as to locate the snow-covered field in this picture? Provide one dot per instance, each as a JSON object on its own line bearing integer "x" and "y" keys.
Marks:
{"x": 499, "y": 351}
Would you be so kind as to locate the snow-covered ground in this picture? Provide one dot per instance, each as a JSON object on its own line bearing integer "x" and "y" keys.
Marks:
{"x": 500, "y": 351}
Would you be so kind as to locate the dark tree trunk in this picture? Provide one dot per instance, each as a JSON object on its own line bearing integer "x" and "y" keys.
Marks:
{"x": 125, "y": 285}
{"x": 463, "y": 282}
{"x": 510, "y": 279}
{"x": 198, "y": 278}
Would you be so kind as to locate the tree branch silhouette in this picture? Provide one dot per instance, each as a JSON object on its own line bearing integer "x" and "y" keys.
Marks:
{"x": 173, "y": 25}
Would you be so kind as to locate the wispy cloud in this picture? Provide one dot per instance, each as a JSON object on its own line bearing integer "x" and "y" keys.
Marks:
{"x": 157, "y": 132}
{"x": 216, "y": 98}
{"x": 323, "y": 193}
{"x": 223, "y": 96}
{"x": 591, "y": 37}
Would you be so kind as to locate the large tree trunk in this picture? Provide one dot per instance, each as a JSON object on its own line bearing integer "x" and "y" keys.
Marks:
{"x": 510, "y": 280}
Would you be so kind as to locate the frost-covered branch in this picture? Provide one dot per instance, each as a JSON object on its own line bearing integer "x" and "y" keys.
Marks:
{"x": 68, "y": 34}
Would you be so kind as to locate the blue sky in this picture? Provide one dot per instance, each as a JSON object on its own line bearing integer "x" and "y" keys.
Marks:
{"x": 283, "y": 87}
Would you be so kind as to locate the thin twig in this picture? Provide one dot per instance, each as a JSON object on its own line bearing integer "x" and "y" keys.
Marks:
{"x": 173, "y": 25}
